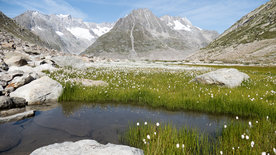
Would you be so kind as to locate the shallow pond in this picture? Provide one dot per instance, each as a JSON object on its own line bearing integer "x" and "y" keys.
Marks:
{"x": 102, "y": 122}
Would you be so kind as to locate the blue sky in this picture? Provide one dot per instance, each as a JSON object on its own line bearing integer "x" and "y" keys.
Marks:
{"x": 207, "y": 14}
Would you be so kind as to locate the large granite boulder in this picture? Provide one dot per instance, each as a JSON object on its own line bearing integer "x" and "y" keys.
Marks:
{"x": 224, "y": 77}
{"x": 39, "y": 91}
{"x": 86, "y": 147}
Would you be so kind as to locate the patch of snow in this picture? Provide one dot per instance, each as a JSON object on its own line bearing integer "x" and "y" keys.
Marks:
{"x": 37, "y": 27}
{"x": 198, "y": 28}
{"x": 180, "y": 26}
{"x": 59, "y": 33}
{"x": 63, "y": 16}
{"x": 80, "y": 33}
{"x": 99, "y": 31}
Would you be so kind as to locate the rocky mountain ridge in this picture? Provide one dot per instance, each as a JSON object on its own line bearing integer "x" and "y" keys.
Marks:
{"x": 71, "y": 35}
{"x": 252, "y": 39}
{"x": 143, "y": 35}
{"x": 9, "y": 26}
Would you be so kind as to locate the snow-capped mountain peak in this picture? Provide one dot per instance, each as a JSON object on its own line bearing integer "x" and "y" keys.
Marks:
{"x": 62, "y": 16}
{"x": 69, "y": 34}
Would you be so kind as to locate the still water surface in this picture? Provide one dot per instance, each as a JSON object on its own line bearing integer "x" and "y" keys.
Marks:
{"x": 102, "y": 122}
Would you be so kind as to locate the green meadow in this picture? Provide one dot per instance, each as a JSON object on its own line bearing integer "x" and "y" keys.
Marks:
{"x": 173, "y": 90}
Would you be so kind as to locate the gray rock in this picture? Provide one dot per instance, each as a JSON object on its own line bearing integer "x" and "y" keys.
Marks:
{"x": 71, "y": 61}
{"x": 3, "y": 65}
{"x": 16, "y": 61}
{"x": 224, "y": 77}
{"x": 19, "y": 102}
{"x": 87, "y": 147}
{"x": 5, "y": 102}
{"x": 39, "y": 91}
{"x": 11, "y": 111}
{"x": 17, "y": 117}
{"x": 8, "y": 90}
{"x": 1, "y": 89}
{"x": 3, "y": 83}
{"x": 20, "y": 81}
{"x": 6, "y": 77}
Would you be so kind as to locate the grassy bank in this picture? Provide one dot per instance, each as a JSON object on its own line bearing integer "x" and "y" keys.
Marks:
{"x": 172, "y": 89}
{"x": 235, "y": 138}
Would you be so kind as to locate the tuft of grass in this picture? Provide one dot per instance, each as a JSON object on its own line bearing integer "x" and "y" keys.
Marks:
{"x": 261, "y": 138}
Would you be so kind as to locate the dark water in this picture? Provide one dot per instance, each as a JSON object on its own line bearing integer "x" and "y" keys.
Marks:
{"x": 102, "y": 122}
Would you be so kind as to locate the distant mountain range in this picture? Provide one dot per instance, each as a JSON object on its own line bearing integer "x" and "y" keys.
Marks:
{"x": 68, "y": 34}
{"x": 143, "y": 35}
{"x": 252, "y": 39}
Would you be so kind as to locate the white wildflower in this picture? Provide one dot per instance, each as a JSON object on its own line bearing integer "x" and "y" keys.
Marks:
{"x": 146, "y": 123}
{"x": 252, "y": 144}
{"x": 250, "y": 124}
{"x": 138, "y": 123}
{"x": 154, "y": 133}
{"x": 237, "y": 117}
{"x": 148, "y": 136}
{"x": 225, "y": 126}
{"x": 247, "y": 137}
{"x": 177, "y": 145}
{"x": 242, "y": 136}
{"x": 220, "y": 152}
{"x": 157, "y": 124}
{"x": 184, "y": 146}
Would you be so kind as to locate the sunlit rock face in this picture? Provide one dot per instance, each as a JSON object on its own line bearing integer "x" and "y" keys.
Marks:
{"x": 143, "y": 35}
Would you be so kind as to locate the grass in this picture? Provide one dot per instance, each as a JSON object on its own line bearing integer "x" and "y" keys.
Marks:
{"x": 166, "y": 139}
{"x": 173, "y": 90}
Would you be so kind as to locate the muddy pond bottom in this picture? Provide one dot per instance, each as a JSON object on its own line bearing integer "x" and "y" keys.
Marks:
{"x": 105, "y": 123}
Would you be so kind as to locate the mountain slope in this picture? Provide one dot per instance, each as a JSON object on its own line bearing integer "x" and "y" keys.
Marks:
{"x": 10, "y": 26}
{"x": 143, "y": 35}
{"x": 252, "y": 39}
{"x": 69, "y": 34}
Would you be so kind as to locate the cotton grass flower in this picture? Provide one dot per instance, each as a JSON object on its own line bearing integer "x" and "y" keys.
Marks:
{"x": 274, "y": 150}
{"x": 183, "y": 146}
{"x": 154, "y": 133}
{"x": 237, "y": 117}
{"x": 252, "y": 143}
{"x": 157, "y": 124}
{"x": 177, "y": 145}
{"x": 246, "y": 137}
{"x": 263, "y": 153}
{"x": 146, "y": 123}
{"x": 220, "y": 152}
{"x": 137, "y": 123}
{"x": 242, "y": 136}
{"x": 148, "y": 136}
{"x": 250, "y": 124}
{"x": 225, "y": 126}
